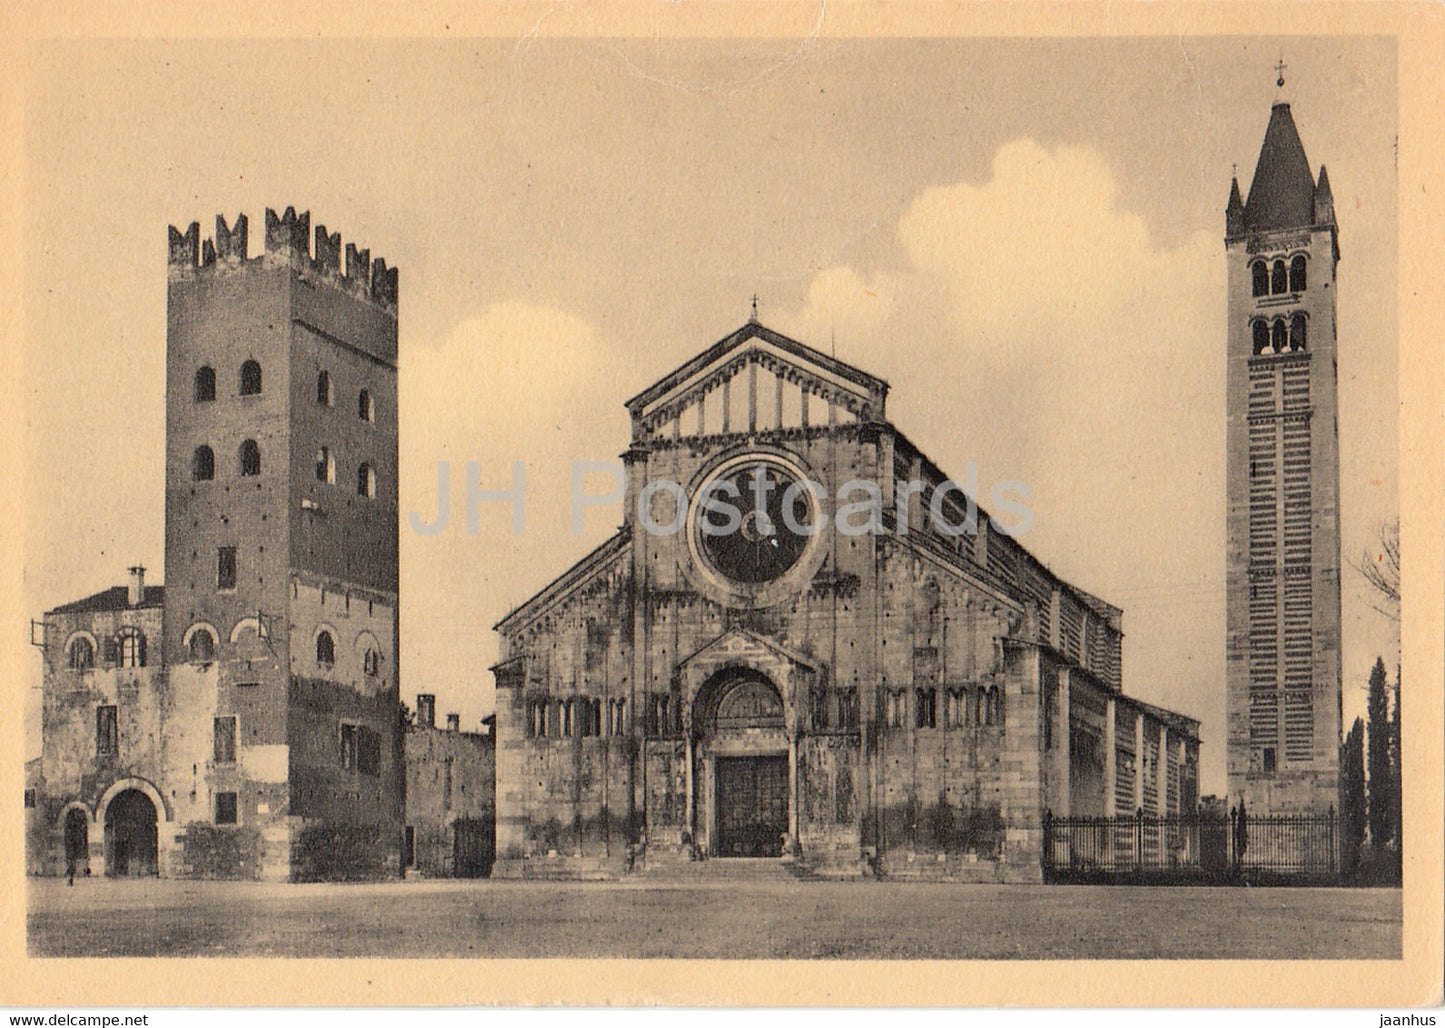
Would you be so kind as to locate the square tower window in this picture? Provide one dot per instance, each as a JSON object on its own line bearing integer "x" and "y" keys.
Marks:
{"x": 225, "y": 740}
{"x": 226, "y": 808}
{"x": 226, "y": 567}
{"x": 107, "y": 741}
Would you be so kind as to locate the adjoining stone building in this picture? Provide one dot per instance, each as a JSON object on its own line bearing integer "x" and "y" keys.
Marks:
{"x": 451, "y": 781}
{"x": 244, "y": 720}
{"x": 736, "y": 673}
{"x": 1284, "y": 676}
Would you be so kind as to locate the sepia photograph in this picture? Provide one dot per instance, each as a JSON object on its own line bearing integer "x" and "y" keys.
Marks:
{"x": 809, "y": 496}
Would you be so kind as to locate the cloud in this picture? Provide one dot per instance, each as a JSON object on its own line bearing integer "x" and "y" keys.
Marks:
{"x": 1035, "y": 326}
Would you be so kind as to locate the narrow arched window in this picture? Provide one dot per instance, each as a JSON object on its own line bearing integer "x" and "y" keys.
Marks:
{"x": 250, "y": 378}
{"x": 1260, "y": 275}
{"x": 1297, "y": 274}
{"x": 1280, "y": 337}
{"x": 365, "y": 409}
{"x": 1261, "y": 338}
{"x": 203, "y": 464}
{"x": 323, "y": 389}
{"x": 82, "y": 654}
{"x": 250, "y": 459}
{"x": 203, "y": 646}
{"x": 1297, "y": 333}
{"x": 1279, "y": 278}
{"x": 365, "y": 481}
{"x": 325, "y": 466}
{"x": 132, "y": 645}
{"x": 205, "y": 384}
{"x": 371, "y": 662}
{"x": 325, "y": 648}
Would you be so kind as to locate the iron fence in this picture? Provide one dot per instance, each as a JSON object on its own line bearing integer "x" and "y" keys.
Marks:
{"x": 1191, "y": 847}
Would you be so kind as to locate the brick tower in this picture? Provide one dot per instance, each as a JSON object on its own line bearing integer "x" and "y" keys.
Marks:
{"x": 1283, "y": 574}
{"x": 280, "y": 611}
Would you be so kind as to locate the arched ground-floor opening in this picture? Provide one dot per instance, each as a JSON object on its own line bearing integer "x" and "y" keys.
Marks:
{"x": 130, "y": 835}
{"x": 743, "y": 764}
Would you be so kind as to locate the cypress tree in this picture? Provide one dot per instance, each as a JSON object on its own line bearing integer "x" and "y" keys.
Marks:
{"x": 1352, "y": 794}
{"x": 1381, "y": 803}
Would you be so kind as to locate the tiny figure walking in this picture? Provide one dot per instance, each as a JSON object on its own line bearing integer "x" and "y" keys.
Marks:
{"x": 70, "y": 872}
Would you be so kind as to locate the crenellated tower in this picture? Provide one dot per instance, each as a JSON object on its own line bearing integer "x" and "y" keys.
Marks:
{"x": 1283, "y": 560}
{"x": 281, "y": 613}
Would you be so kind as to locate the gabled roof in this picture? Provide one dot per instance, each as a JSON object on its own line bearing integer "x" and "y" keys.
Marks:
{"x": 753, "y": 330}
{"x": 565, "y": 582}
{"x": 1282, "y": 194}
{"x": 117, "y": 597}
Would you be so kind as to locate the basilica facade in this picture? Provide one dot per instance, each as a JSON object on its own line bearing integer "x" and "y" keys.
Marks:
{"x": 807, "y": 643}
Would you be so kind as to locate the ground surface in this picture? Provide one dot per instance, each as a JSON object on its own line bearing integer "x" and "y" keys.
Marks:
{"x": 741, "y": 920}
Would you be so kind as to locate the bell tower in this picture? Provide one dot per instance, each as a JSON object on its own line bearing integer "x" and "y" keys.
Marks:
{"x": 1283, "y": 668}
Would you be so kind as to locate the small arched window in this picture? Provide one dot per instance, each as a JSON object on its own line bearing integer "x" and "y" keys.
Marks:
{"x": 325, "y": 466}
{"x": 1297, "y": 333}
{"x": 1297, "y": 274}
{"x": 1260, "y": 274}
{"x": 250, "y": 455}
{"x": 1261, "y": 338}
{"x": 132, "y": 645}
{"x": 203, "y": 464}
{"x": 1279, "y": 278}
{"x": 203, "y": 646}
{"x": 323, "y": 388}
{"x": 1280, "y": 336}
{"x": 82, "y": 654}
{"x": 205, "y": 384}
{"x": 371, "y": 662}
{"x": 250, "y": 379}
{"x": 365, "y": 481}
{"x": 365, "y": 409}
{"x": 325, "y": 648}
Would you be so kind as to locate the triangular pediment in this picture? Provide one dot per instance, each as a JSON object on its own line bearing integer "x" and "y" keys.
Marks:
{"x": 756, "y": 380}
{"x": 740, "y": 644}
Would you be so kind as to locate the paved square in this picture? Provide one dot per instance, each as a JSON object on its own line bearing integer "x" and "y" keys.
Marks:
{"x": 738, "y": 920}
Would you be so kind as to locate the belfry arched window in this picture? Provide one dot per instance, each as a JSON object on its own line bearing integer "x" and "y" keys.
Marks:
{"x": 1279, "y": 278}
{"x": 250, "y": 379}
{"x": 1297, "y": 274}
{"x": 1261, "y": 338}
{"x": 203, "y": 464}
{"x": 1297, "y": 334}
{"x": 365, "y": 410}
{"x": 1280, "y": 336}
{"x": 323, "y": 388}
{"x": 1259, "y": 272}
{"x": 365, "y": 481}
{"x": 250, "y": 458}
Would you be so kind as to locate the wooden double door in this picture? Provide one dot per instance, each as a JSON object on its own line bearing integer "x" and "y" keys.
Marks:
{"x": 752, "y": 805}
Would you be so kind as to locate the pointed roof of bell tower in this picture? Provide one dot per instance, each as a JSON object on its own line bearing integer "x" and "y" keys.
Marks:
{"x": 1282, "y": 194}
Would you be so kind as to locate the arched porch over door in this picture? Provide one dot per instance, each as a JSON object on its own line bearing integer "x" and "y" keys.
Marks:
{"x": 743, "y": 759}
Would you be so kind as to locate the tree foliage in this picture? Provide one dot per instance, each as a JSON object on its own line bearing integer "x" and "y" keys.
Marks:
{"x": 1352, "y": 792}
{"x": 1380, "y": 567}
{"x": 1381, "y": 776}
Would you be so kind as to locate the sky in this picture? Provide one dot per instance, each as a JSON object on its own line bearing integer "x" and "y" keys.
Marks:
{"x": 1023, "y": 236}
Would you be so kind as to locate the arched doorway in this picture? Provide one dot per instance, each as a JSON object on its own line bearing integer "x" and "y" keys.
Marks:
{"x": 77, "y": 840}
{"x": 130, "y": 834}
{"x": 744, "y": 755}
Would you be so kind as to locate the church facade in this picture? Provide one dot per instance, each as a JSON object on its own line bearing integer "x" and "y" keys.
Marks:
{"x": 807, "y": 643}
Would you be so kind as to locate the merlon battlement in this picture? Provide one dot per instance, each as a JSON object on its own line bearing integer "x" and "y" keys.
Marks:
{"x": 288, "y": 239}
